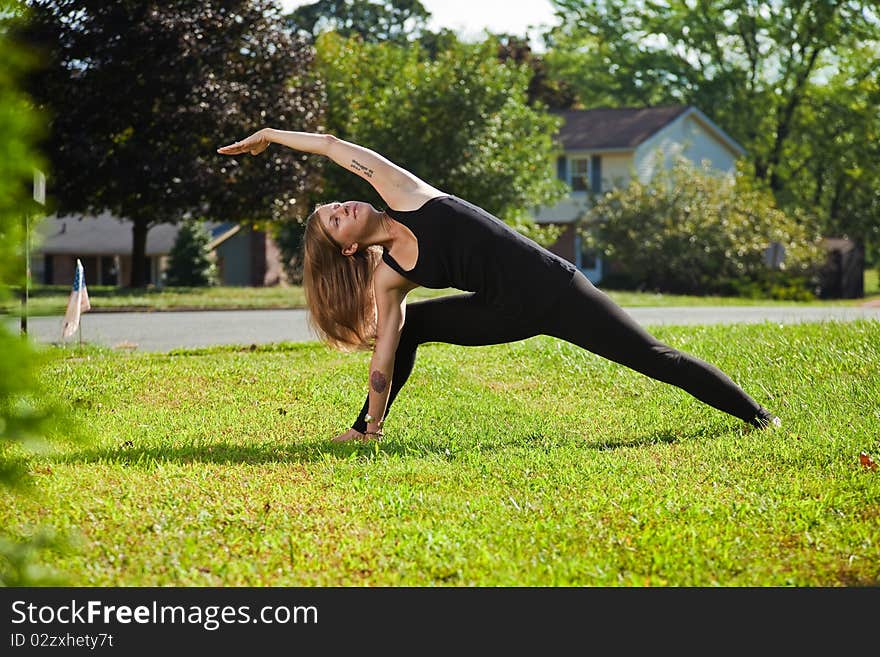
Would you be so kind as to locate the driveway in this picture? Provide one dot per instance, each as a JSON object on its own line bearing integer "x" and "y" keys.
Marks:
{"x": 162, "y": 331}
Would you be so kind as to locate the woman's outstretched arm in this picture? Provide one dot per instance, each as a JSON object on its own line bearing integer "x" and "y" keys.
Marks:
{"x": 394, "y": 184}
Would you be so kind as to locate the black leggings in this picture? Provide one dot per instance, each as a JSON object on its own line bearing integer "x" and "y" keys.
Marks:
{"x": 583, "y": 315}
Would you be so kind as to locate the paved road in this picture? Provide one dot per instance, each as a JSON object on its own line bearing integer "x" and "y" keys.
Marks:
{"x": 162, "y": 331}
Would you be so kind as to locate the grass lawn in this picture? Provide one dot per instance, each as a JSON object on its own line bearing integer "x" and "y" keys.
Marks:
{"x": 531, "y": 463}
{"x": 52, "y": 299}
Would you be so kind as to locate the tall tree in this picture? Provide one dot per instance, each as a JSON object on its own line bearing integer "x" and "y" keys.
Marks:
{"x": 752, "y": 65}
{"x": 833, "y": 162}
{"x": 551, "y": 92}
{"x": 140, "y": 93}
{"x": 461, "y": 121}
{"x": 190, "y": 262}
{"x": 373, "y": 21}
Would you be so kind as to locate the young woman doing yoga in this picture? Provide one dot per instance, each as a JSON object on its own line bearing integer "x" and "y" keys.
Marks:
{"x": 360, "y": 262}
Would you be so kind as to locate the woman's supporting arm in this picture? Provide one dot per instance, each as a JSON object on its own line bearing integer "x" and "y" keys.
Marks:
{"x": 391, "y": 309}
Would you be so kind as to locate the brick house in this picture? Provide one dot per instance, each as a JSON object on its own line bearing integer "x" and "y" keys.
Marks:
{"x": 103, "y": 243}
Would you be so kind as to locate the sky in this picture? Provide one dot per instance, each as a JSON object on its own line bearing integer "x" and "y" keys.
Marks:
{"x": 469, "y": 18}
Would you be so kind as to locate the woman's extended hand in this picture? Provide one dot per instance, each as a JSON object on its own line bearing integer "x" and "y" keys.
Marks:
{"x": 255, "y": 144}
{"x": 351, "y": 434}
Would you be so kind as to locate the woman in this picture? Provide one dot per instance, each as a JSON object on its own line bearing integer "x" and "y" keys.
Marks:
{"x": 361, "y": 262}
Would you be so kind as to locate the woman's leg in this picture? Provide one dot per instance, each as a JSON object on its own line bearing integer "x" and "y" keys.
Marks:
{"x": 588, "y": 318}
{"x": 462, "y": 319}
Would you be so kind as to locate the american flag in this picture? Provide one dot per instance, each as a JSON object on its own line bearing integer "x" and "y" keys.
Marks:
{"x": 78, "y": 302}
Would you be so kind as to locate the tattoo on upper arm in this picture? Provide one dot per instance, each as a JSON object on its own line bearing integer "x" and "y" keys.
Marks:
{"x": 378, "y": 381}
{"x": 364, "y": 169}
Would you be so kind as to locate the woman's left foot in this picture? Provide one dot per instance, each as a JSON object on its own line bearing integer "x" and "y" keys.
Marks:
{"x": 766, "y": 420}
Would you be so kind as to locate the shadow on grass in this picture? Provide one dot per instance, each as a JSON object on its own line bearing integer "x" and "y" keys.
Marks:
{"x": 436, "y": 446}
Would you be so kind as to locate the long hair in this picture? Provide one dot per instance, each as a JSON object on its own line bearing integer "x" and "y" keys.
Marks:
{"x": 339, "y": 290}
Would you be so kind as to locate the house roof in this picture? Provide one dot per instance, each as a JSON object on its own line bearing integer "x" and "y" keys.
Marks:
{"x": 106, "y": 234}
{"x": 624, "y": 128}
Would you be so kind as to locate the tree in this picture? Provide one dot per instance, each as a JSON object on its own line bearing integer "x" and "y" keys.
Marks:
{"x": 835, "y": 167}
{"x": 545, "y": 90}
{"x": 190, "y": 263}
{"x": 140, "y": 94}
{"x": 757, "y": 68}
{"x": 460, "y": 121}
{"x": 374, "y": 22}
{"x": 458, "y": 115}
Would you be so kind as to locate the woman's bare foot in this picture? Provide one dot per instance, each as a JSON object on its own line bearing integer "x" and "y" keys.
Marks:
{"x": 351, "y": 434}
{"x": 765, "y": 421}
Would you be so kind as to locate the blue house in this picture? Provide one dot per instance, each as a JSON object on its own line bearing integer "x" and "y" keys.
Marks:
{"x": 604, "y": 148}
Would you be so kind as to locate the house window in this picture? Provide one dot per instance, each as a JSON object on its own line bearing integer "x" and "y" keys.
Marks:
{"x": 580, "y": 174}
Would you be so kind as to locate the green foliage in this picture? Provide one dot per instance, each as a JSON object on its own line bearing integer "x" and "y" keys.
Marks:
{"x": 691, "y": 231}
{"x": 872, "y": 282}
{"x": 289, "y": 237}
{"x": 461, "y": 122}
{"x": 20, "y": 560}
{"x": 190, "y": 263}
{"x": 18, "y": 130}
{"x": 20, "y": 127}
{"x": 533, "y": 463}
{"x": 387, "y": 20}
{"x": 155, "y": 89}
{"x": 544, "y": 89}
{"x": 795, "y": 82}
{"x": 27, "y": 413}
{"x": 835, "y": 167}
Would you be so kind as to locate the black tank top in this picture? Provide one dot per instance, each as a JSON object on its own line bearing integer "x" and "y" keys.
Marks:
{"x": 464, "y": 247}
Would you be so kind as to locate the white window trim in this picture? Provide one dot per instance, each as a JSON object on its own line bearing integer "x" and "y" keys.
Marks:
{"x": 570, "y": 171}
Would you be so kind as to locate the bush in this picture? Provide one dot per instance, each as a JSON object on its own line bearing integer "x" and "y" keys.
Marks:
{"x": 691, "y": 231}
{"x": 29, "y": 412}
{"x": 190, "y": 263}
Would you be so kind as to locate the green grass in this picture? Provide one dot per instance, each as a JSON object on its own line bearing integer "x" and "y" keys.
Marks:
{"x": 531, "y": 463}
{"x": 52, "y": 299}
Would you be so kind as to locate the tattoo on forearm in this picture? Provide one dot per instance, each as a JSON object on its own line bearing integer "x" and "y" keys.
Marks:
{"x": 364, "y": 169}
{"x": 378, "y": 381}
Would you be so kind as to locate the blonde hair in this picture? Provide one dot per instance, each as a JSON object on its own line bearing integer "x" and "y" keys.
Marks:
{"x": 339, "y": 289}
